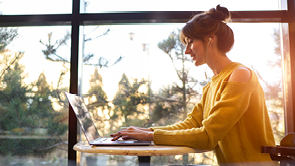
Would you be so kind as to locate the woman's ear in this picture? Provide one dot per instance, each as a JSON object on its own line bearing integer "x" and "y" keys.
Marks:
{"x": 211, "y": 39}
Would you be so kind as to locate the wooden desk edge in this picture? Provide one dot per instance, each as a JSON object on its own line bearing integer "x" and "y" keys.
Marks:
{"x": 153, "y": 150}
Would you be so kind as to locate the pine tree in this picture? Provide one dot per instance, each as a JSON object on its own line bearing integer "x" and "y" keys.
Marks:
{"x": 32, "y": 124}
{"x": 129, "y": 102}
{"x": 172, "y": 102}
{"x": 97, "y": 101}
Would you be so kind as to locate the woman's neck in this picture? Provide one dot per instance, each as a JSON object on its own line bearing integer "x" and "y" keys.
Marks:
{"x": 218, "y": 63}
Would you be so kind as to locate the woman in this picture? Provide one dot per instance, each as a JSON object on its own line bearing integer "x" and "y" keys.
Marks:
{"x": 231, "y": 117}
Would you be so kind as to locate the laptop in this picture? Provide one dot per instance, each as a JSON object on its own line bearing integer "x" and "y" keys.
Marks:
{"x": 89, "y": 129}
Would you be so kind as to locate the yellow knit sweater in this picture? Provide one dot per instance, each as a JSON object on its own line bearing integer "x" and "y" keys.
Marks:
{"x": 231, "y": 119}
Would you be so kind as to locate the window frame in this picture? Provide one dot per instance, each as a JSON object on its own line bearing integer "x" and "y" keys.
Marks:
{"x": 77, "y": 19}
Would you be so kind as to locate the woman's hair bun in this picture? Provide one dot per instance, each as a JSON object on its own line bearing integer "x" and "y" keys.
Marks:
{"x": 219, "y": 13}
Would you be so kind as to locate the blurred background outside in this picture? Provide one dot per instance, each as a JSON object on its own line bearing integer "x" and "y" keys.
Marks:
{"x": 131, "y": 75}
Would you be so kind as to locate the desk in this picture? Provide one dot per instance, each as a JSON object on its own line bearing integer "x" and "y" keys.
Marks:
{"x": 144, "y": 153}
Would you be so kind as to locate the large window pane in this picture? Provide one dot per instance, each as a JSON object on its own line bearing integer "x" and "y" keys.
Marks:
{"x": 21, "y": 7}
{"x": 130, "y": 79}
{"x": 34, "y": 73}
{"x": 94, "y": 6}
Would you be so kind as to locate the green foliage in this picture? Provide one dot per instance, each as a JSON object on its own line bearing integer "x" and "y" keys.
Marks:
{"x": 168, "y": 106}
{"x": 96, "y": 91}
{"x": 97, "y": 100}
{"x": 172, "y": 102}
{"x": 51, "y": 49}
{"x": 167, "y": 45}
{"x": 29, "y": 123}
{"x": 7, "y": 35}
{"x": 129, "y": 101}
{"x": 160, "y": 111}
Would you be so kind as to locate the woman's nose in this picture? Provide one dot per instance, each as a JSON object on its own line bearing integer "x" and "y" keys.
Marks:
{"x": 187, "y": 50}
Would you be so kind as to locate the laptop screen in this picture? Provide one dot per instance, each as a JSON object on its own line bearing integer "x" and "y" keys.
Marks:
{"x": 83, "y": 116}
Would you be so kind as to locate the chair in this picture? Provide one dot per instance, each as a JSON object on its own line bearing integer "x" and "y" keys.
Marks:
{"x": 285, "y": 152}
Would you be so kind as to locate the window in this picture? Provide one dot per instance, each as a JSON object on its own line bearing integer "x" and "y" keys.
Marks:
{"x": 34, "y": 113}
{"x": 38, "y": 60}
{"x": 19, "y": 7}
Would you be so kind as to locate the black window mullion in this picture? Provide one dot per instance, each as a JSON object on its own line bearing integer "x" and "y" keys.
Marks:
{"x": 178, "y": 17}
{"x": 135, "y": 17}
{"x": 72, "y": 134}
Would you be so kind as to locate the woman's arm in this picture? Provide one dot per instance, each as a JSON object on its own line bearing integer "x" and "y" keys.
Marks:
{"x": 221, "y": 117}
{"x": 194, "y": 120}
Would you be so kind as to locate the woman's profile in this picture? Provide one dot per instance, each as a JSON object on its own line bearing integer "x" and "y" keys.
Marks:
{"x": 231, "y": 118}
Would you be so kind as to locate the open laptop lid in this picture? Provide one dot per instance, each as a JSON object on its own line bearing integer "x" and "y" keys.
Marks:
{"x": 86, "y": 123}
{"x": 88, "y": 127}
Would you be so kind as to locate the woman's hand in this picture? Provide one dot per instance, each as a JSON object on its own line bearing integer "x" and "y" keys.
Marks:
{"x": 141, "y": 134}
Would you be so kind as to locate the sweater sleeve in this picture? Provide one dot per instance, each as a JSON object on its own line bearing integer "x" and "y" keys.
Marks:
{"x": 222, "y": 116}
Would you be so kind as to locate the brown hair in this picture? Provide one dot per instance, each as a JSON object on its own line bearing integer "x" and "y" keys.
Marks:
{"x": 210, "y": 23}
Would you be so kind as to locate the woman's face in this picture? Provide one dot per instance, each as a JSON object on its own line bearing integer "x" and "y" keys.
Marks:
{"x": 195, "y": 48}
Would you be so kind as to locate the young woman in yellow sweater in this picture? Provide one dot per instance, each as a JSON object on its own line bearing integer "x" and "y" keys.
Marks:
{"x": 232, "y": 117}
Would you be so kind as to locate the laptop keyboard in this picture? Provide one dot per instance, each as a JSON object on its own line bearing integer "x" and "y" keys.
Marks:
{"x": 103, "y": 139}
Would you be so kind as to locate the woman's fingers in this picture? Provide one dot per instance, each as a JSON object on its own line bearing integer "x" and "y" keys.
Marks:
{"x": 134, "y": 133}
{"x": 125, "y": 134}
{"x": 116, "y": 136}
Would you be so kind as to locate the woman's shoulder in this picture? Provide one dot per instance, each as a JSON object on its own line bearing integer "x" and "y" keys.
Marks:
{"x": 240, "y": 74}
{"x": 233, "y": 72}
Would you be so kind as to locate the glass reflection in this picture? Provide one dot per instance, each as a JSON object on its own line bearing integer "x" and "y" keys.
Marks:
{"x": 83, "y": 117}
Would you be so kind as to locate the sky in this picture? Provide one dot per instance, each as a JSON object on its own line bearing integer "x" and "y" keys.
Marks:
{"x": 254, "y": 43}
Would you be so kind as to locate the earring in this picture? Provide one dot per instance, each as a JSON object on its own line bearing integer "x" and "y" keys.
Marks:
{"x": 209, "y": 43}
